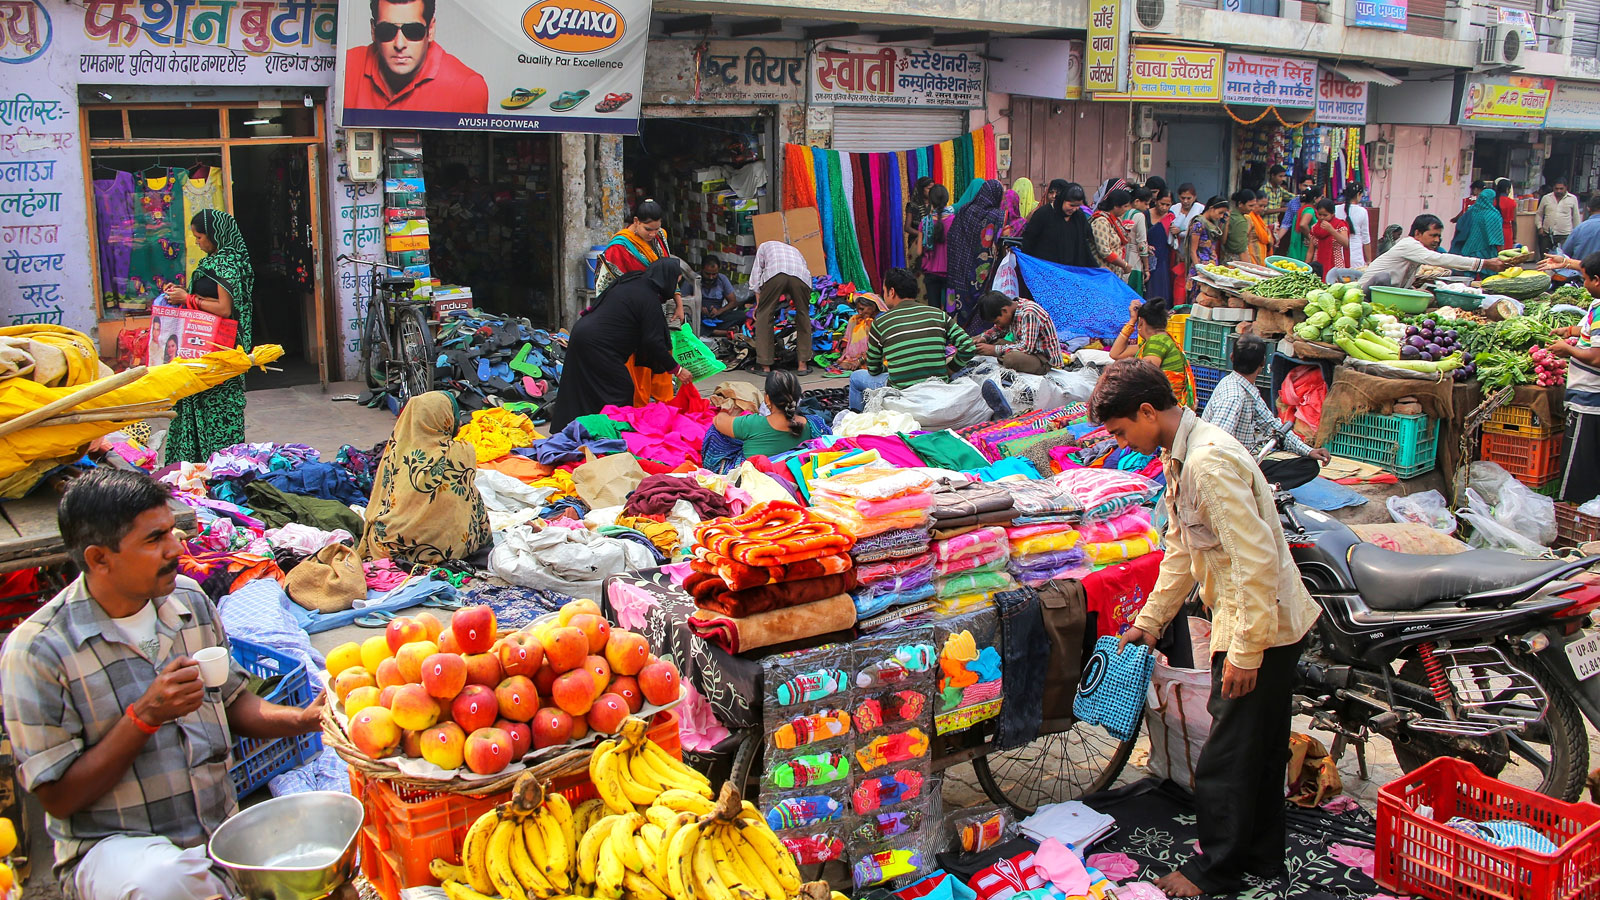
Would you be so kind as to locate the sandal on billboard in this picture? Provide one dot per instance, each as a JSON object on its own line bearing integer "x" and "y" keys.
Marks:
{"x": 568, "y": 100}
{"x": 612, "y": 103}
{"x": 522, "y": 98}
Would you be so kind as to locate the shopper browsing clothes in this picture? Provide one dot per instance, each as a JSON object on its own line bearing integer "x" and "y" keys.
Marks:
{"x": 780, "y": 430}
{"x": 115, "y": 731}
{"x": 634, "y": 248}
{"x": 625, "y": 330}
{"x": 221, "y": 285}
{"x": 1021, "y": 334}
{"x": 780, "y": 273}
{"x": 1223, "y": 536}
{"x": 425, "y": 507}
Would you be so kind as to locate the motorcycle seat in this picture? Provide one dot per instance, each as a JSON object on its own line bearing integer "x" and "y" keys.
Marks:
{"x": 1399, "y": 582}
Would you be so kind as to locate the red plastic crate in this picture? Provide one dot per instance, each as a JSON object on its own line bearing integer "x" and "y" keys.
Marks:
{"x": 407, "y": 827}
{"x": 1532, "y": 461}
{"x": 1418, "y": 854}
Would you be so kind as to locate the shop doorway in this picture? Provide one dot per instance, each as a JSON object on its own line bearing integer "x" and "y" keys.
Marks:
{"x": 1197, "y": 153}
{"x": 152, "y": 167}
{"x": 493, "y": 220}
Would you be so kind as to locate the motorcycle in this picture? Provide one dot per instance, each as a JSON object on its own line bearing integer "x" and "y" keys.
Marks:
{"x": 1482, "y": 655}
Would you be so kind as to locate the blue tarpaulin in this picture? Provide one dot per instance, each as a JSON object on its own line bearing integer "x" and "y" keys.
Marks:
{"x": 1082, "y": 302}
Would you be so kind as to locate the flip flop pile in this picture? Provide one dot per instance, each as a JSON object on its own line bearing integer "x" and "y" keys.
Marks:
{"x": 500, "y": 361}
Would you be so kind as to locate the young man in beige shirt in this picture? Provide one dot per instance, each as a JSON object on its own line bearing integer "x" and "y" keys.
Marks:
{"x": 1224, "y": 535}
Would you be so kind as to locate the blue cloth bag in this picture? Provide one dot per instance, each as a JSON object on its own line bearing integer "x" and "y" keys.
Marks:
{"x": 1112, "y": 692}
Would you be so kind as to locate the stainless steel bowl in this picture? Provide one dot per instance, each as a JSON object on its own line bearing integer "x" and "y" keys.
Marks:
{"x": 298, "y": 847}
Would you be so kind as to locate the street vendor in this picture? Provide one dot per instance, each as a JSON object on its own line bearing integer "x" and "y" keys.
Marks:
{"x": 115, "y": 732}
{"x": 908, "y": 344}
{"x": 1239, "y": 409}
{"x": 1021, "y": 334}
{"x": 1224, "y": 536}
{"x": 1580, "y": 450}
{"x": 1398, "y": 266}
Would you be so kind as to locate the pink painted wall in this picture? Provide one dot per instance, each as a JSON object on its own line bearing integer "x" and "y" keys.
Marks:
{"x": 1425, "y": 178}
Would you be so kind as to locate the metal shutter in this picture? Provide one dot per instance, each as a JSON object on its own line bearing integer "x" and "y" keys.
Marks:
{"x": 1426, "y": 18}
{"x": 1586, "y": 27}
{"x": 870, "y": 129}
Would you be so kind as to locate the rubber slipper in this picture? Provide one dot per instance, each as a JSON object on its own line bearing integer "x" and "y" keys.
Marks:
{"x": 522, "y": 98}
{"x": 568, "y": 100}
{"x": 380, "y": 619}
{"x": 612, "y": 103}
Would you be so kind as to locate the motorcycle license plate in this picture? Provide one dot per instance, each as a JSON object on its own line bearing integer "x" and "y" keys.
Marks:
{"x": 1584, "y": 654}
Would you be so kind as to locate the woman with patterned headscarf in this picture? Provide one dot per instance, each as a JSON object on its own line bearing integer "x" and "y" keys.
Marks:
{"x": 221, "y": 285}
{"x": 974, "y": 235}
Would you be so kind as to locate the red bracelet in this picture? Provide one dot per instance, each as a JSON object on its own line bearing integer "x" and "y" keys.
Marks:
{"x": 139, "y": 723}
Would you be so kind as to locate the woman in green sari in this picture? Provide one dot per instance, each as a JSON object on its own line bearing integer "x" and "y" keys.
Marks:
{"x": 1145, "y": 338}
{"x": 1482, "y": 227}
{"x": 221, "y": 285}
{"x": 1300, "y": 230}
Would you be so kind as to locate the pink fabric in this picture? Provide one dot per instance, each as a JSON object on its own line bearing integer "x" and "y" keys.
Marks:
{"x": 894, "y": 505}
{"x": 1355, "y": 857}
{"x": 1144, "y": 890}
{"x": 1133, "y": 523}
{"x": 1093, "y": 488}
{"x": 1116, "y": 867}
{"x": 971, "y": 542}
{"x": 662, "y": 433}
{"x": 1019, "y": 532}
{"x": 1061, "y": 867}
{"x": 872, "y": 572}
{"x": 983, "y": 557}
{"x": 698, "y": 728}
{"x": 1301, "y": 397}
{"x": 891, "y": 448}
{"x": 631, "y": 605}
{"x": 382, "y": 575}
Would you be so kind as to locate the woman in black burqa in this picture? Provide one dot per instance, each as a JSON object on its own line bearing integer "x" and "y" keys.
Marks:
{"x": 625, "y": 321}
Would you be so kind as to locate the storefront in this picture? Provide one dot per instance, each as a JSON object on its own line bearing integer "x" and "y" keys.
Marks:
{"x": 1572, "y": 128}
{"x": 1057, "y": 132}
{"x": 1192, "y": 139}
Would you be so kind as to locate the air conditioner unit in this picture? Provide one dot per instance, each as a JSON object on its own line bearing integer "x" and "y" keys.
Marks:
{"x": 1503, "y": 45}
{"x": 1146, "y": 126}
{"x": 1153, "y": 16}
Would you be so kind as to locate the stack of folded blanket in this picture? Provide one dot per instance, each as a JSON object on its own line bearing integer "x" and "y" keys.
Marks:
{"x": 1126, "y": 536}
{"x": 970, "y": 568}
{"x": 870, "y": 500}
{"x": 971, "y": 504}
{"x": 893, "y": 568}
{"x": 776, "y": 573}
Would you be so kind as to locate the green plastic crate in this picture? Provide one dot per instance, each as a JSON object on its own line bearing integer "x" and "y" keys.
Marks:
{"x": 1408, "y": 446}
{"x": 1205, "y": 343}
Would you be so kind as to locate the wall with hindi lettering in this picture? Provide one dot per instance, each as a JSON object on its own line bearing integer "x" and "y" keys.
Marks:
{"x": 44, "y": 239}
{"x": 355, "y": 227}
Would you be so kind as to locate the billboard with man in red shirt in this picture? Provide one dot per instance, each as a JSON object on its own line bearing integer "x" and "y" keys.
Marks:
{"x": 556, "y": 65}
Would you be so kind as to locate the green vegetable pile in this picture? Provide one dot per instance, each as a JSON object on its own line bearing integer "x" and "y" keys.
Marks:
{"x": 1336, "y": 309}
{"x": 1288, "y": 287}
{"x": 1504, "y": 368}
{"x": 1573, "y": 294}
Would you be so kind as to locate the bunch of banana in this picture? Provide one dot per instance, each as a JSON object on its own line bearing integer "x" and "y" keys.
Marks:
{"x": 631, "y": 770}
{"x": 524, "y": 849}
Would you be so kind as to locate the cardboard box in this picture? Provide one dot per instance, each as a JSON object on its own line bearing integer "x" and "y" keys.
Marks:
{"x": 800, "y": 228}
{"x": 403, "y": 243}
{"x": 406, "y": 227}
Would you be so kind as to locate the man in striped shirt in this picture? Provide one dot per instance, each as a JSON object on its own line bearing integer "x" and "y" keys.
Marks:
{"x": 910, "y": 343}
{"x": 1034, "y": 347}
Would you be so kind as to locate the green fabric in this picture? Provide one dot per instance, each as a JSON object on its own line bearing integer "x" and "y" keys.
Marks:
{"x": 761, "y": 439}
{"x": 1298, "y": 247}
{"x": 851, "y": 268}
{"x": 1485, "y": 228}
{"x": 601, "y": 427}
{"x": 970, "y": 194}
{"x": 214, "y": 419}
{"x": 964, "y": 159}
{"x": 945, "y": 450}
{"x": 1161, "y": 344}
{"x": 1236, "y": 234}
{"x": 909, "y": 343}
{"x": 277, "y": 508}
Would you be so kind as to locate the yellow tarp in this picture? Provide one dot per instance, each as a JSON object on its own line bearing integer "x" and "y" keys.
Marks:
{"x": 49, "y": 354}
{"x": 163, "y": 384}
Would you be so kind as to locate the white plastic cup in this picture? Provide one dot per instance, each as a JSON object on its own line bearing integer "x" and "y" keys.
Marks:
{"x": 213, "y": 666}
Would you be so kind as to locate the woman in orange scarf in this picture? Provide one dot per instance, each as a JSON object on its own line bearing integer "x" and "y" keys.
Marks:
{"x": 633, "y": 249}
{"x": 1260, "y": 235}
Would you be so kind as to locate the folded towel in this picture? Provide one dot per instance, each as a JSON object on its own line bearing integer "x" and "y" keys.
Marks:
{"x": 711, "y": 592}
{"x": 978, "y": 541}
{"x": 987, "y": 556}
{"x": 1044, "y": 543}
{"x": 773, "y": 534}
{"x": 741, "y": 635}
{"x": 1109, "y": 552}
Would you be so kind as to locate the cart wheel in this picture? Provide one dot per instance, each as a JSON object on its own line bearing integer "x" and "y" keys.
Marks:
{"x": 744, "y": 764}
{"x": 413, "y": 353}
{"x": 1054, "y": 768}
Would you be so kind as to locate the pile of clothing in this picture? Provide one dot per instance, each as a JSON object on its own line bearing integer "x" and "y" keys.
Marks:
{"x": 970, "y": 568}
{"x": 779, "y": 572}
{"x": 1099, "y": 450}
{"x": 488, "y": 361}
{"x": 1031, "y": 436}
{"x": 1125, "y": 536}
{"x": 871, "y": 500}
{"x": 894, "y": 570}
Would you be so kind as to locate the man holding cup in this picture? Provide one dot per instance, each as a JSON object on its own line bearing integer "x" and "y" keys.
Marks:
{"x": 105, "y": 703}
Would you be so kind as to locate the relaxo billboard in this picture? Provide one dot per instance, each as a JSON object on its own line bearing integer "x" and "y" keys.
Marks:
{"x": 556, "y": 66}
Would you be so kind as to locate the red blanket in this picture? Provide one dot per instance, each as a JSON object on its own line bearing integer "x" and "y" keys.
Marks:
{"x": 738, "y": 576}
{"x": 711, "y": 593}
{"x": 773, "y": 534}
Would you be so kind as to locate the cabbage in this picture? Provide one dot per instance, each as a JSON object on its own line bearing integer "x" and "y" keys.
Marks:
{"x": 1352, "y": 310}
{"x": 1337, "y": 291}
{"x": 1346, "y": 323}
{"x": 1319, "y": 319}
{"x": 1306, "y": 331}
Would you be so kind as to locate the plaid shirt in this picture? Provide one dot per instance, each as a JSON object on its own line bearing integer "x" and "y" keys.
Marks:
{"x": 1036, "y": 334}
{"x": 68, "y": 676}
{"x": 1238, "y": 408}
{"x": 1278, "y": 197}
{"x": 778, "y": 258}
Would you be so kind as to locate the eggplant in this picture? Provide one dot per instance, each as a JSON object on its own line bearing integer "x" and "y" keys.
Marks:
{"x": 1412, "y": 331}
{"x": 1429, "y": 324}
{"x": 1407, "y": 351}
{"x": 1435, "y": 350}
{"x": 1451, "y": 334}
{"x": 1418, "y": 341}
{"x": 1425, "y": 356}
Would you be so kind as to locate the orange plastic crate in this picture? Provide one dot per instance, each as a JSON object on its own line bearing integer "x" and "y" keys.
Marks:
{"x": 1419, "y": 855}
{"x": 1533, "y": 461}
{"x": 406, "y": 827}
{"x": 1520, "y": 421}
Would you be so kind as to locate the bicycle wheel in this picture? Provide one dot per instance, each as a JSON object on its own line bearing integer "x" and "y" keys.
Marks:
{"x": 413, "y": 344}
{"x": 375, "y": 349}
{"x": 1054, "y": 768}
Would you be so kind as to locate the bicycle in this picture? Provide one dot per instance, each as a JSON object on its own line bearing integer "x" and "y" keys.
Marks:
{"x": 397, "y": 351}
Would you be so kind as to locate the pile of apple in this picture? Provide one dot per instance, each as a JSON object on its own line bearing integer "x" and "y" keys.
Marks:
{"x": 469, "y": 695}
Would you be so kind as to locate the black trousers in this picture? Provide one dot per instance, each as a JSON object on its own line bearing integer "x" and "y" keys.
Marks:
{"x": 1239, "y": 782}
{"x": 1290, "y": 473}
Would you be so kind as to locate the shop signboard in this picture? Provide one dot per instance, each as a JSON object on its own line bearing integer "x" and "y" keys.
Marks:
{"x": 1165, "y": 74}
{"x": 687, "y": 71}
{"x": 1034, "y": 67}
{"x": 1514, "y": 101}
{"x": 1340, "y": 101}
{"x": 845, "y": 74}
{"x": 1575, "y": 107}
{"x": 1270, "y": 81}
{"x": 1388, "y": 14}
{"x": 1523, "y": 18}
{"x": 553, "y": 66}
{"x": 1106, "y": 52}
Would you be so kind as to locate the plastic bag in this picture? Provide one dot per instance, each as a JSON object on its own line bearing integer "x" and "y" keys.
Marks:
{"x": 934, "y": 404}
{"x": 1513, "y": 504}
{"x": 981, "y": 827}
{"x": 1489, "y": 533}
{"x": 1427, "y": 508}
{"x": 1592, "y": 508}
{"x": 1076, "y": 386}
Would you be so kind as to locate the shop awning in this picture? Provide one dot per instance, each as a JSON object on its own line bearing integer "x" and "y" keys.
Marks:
{"x": 1365, "y": 74}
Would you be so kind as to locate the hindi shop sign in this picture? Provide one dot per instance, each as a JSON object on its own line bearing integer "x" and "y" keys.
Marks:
{"x": 1269, "y": 81}
{"x": 844, "y": 74}
{"x": 1516, "y": 101}
{"x": 1163, "y": 74}
{"x": 288, "y": 42}
{"x": 553, "y": 66}
{"x": 1386, "y": 14}
{"x": 682, "y": 71}
{"x": 1575, "y": 107}
{"x": 1340, "y": 101}
{"x": 1106, "y": 51}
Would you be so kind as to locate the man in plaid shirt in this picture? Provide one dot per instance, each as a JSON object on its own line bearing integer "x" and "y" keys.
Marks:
{"x": 1034, "y": 347}
{"x": 1238, "y": 408}
{"x": 114, "y": 730}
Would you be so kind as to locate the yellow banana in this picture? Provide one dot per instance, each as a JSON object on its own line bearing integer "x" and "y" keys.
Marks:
{"x": 499, "y": 860}
{"x": 643, "y": 774}
{"x": 652, "y": 860}
{"x": 679, "y": 859}
{"x": 584, "y": 817}
{"x": 455, "y": 890}
{"x": 760, "y": 869}
{"x": 662, "y": 760}
{"x": 685, "y": 801}
{"x": 653, "y": 836}
{"x": 556, "y": 864}
{"x": 668, "y": 777}
{"x": 622, "y": 837}
{"x": 663, "y": 862}
{"x": 444, "y": 870}
{"x": 710, "y": 883}
{"x": 524, "y": 867}
{"x": 606, "y": 773}
{"x": 608, "y": 876}
{"x": 639, "y": 793}
{"x": 589, "y": 847}
{"x": 558, "y": 807}
{"x": 731, "y": 866}
{"x": 475, "y": 852}
{"x": 660, "y": 816}
{"x": 641, "y": 888}
{"x": 768, "y": 847}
